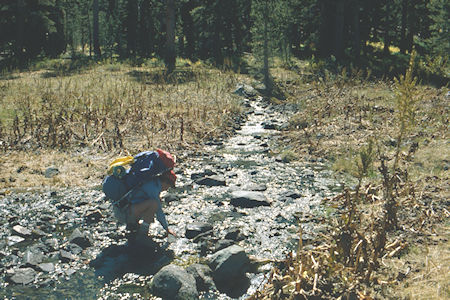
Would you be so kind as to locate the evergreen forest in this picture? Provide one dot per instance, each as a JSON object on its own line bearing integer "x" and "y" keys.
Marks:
{"x": 378, "y": 35}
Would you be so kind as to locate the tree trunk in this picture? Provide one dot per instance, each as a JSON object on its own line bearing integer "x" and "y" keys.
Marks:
{"x": 131, "y": 25}
{"x": 326, "y": 33}
{"x": 146, "y": 32}
{"x": 403, "y": 26}
{"x": 339, "y": 30}
{"x": 95, "y": 32}
{"x": 356, "y": 32}
{"x": 20, "y": 27}
{"x": 90, "y": 36}
{"x": 387, "y": 29}
{"x": 188, "y": 29}
{"x": 412, "y": 25}
{"x": 170, "y": 56}
{"x": 266, "y": 72}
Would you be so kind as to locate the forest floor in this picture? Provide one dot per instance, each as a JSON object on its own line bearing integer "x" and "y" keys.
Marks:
{"x": 83, "y": 115}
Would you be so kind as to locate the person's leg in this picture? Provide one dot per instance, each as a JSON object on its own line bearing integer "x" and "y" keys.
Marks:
{"x": 144, "y": 211}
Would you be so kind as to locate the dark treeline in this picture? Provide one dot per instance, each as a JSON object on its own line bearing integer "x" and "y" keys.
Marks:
{"x": 223, "y": 30}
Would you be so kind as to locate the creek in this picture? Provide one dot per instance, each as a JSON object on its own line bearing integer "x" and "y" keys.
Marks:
{"x": 108, "y": 267}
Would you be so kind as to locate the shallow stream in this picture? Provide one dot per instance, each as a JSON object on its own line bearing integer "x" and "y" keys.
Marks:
{"x": 109, "y": 268}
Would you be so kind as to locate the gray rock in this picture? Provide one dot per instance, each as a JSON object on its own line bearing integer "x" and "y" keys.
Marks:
{"x": 22, "y": 231}
{"x": 51, "y": 172}
{"x": 202, "y": 275}
{"x": 93, "y": 217}
{"x": 47, "y": 267}
{"x": 212, "y": 181}
{"x": 23, "y": 276}
{"x": 70, "y": 271}
{"x": 214, "y": 143}
{"x": 80, "y": 238}
{"x": 234, "y": 234}
{"x": 173, "y": 282}
{"x": 33, "y": 258}
{"x": 52, "y": 243}
{"x": 66, "y": 256}
{"x": 171, "y": 198}
{"x": 289, "y": 195}
{"x": 74, "y": 249}
{"x": 269, "y": 125}
{"x": 197, "y": 228}
{"x": 222, "y": 244}
{"x": 245, "y": 90}
{"x": 248, "y": 199}
{"x": 256, "y": 187}
{"x": 14, "y": 239}
{"x": 3, "y": 253}
{"x": 38, "y": 233}
{"x": 229, "y": 264}
{"x": 195, "y": 176}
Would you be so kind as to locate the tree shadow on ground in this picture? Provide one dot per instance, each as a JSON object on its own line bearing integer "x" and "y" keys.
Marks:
{"x": 138, "y": 258}
{"x": 159, "y": 76}
{"x": 68, "y": 67}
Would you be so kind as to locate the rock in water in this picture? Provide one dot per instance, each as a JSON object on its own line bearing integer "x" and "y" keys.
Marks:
{"x": 248, "y": 199}
{"x": 194, "y": 229}
{"x": 47, "y": 267}
{"x": 173, "y": 282}
{"x": 245, "y": 90}
{"x": 33, "y": 258}
{"x": 212, "y": 181}
{"x": 23, "y": 276}
{"x": 14, "y": 239}
{"x": 80, "y": 239}
{"x": 22, "y": 231}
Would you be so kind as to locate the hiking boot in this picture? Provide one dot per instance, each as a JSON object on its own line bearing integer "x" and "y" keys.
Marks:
{"x": 131, "y": 231}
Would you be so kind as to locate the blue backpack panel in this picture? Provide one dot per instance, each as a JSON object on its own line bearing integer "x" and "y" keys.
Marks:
{"x": 146, "y": 166}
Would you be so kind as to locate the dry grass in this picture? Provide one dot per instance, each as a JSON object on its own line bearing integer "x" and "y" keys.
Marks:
{"x": 340, "y": 114}
{"x": 427, "y": 271}
{"x": 26, "y": 169}
{"x": 63, "y": 117}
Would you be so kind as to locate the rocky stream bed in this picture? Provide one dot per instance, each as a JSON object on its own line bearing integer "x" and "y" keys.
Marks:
{"x": 236, "y": 208}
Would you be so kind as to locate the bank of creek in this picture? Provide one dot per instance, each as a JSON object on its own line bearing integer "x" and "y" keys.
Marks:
{"x": 65, "y": 243}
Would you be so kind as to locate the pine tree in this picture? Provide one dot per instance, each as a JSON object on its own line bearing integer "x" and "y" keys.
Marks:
{"x": 170, "y": 55}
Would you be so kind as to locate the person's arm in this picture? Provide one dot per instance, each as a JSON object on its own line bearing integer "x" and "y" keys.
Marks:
{"x": 161, "y": 217}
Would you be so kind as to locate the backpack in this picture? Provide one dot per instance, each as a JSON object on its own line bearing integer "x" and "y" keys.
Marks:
{"x": 141, "y": 168}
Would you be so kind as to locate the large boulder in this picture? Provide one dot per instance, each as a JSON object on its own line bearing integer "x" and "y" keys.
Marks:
{"x": 229, "y": 265}
{"x": 174, "y": 283}
{"x": 248, "y": 199}
{"x": 202, "y": 275}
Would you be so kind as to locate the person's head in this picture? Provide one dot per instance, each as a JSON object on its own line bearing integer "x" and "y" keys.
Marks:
{"x": 168, "y": 180}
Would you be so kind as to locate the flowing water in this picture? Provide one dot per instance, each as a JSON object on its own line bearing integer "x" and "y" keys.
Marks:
{"x": 246, "y": 163}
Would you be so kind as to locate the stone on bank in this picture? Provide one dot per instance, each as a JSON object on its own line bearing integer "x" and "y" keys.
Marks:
{"x": 174, "y": 283}
{"x": 229, "y": 265}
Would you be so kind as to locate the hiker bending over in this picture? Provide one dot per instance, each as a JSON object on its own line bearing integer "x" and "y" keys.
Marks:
{"x": 136, "y": 192}
{"x": 145, "y": 203}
